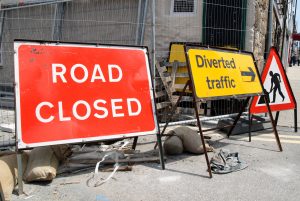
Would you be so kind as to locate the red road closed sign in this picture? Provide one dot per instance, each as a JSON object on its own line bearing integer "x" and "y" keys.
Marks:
{"x": 67, "y": 93}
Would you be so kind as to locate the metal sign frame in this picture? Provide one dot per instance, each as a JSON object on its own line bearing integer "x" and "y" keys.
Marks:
{"x": 247, "y": 96}
{"x": 127, "y": 135}
{"x": 190, "y": 83}
{"x": 135, "y": 135}
{"x": 88, "y": 139}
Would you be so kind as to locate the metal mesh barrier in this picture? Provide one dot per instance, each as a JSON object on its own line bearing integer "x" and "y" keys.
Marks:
{"x": 209, "y": 22}
{"x": 88, "y": 21}
{"x": 232, "y": 24}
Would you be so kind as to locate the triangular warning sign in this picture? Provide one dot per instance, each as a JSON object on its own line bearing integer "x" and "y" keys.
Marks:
{"x": 276, "y": 86}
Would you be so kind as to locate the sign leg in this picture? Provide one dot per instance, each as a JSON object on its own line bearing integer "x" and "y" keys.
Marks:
{"x": 250, "y": 124}
{"x": 173, "y": 111}
{"x": 201, "y": 135}
{"x": 20, "y": 173}
{"x": 203, "y": 142}
{"x": 135, "y": 139}
{"x": 276, "y": 117}
{"x": 160, "y": 134}
{"x": 161, "y": 152}
{"x": 238, "y": 116}
{"x": 295, "y": 120}
{"x": 273, "y": 124}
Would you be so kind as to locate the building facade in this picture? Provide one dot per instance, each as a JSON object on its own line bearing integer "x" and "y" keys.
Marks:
{"x": 238, "y": 24}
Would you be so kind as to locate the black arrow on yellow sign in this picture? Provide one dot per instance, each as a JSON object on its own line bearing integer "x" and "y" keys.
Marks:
{"x": 249, "y": 73}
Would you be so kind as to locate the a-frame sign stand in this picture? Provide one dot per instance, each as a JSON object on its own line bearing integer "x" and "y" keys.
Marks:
{"x": 216, "y": 73}
{"x": 274, "y": 80}
{"x": 264, "y": 96}
{"x": 49, "y": 126}
{"x": 188, "y": 84}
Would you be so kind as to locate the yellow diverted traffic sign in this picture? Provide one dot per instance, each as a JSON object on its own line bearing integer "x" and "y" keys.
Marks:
{"x": 218, "y": 73}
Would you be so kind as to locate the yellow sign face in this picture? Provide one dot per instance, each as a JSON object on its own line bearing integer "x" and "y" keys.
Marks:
{"x": 219, "y": 73}
{"x": 177, "y": 53}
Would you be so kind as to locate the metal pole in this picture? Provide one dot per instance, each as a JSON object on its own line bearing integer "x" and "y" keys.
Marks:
{"x": 20, "y": 173}
{"x": 201, "y": 134}
{"x": 237, "y": 118}
{"x": 202, "y": 119}
{"x": 58, "y": 21}
{"x": 282, "y": 47}
{"x": 158, "y": 135}
{"x": 283, "y": 33}
{"x": 250, "y": 125}
{"x": 135, "y": 139}
{"x": 192, "y": 85}
{"x": 295, "y": 9}
{"x": 295, "y": 120}
{"x": 141, "y": 21}
{"x": 270, "y": 24}
{"x": 18, "y": 152}
{"x": 14, "y": 6}
{"x": 276, "y": 117}
{"x": 153, "y": 39}
{"x": 169, "y": 117}
{"x": 143, "y": 24}
{"x": 273, "y": 123}
{"x": 138, "y": 23}
{"x": 2, "y": 15}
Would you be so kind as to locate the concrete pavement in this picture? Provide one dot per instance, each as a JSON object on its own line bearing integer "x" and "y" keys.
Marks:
{"x": 286, "y": 118}
{"x": 271, "y": 175}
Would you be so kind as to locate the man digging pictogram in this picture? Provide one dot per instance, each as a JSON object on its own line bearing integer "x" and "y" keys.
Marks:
{"x": 275, "y": 81}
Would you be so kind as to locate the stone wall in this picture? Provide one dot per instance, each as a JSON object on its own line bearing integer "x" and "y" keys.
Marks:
{"x": 260, "y": 31}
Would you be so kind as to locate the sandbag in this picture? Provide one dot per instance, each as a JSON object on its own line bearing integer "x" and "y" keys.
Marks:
{"x": 9, "y": 174}
{"x": 173, "y": 145}
{"x": 61, "y": 151}
{"x": 42, "y": 165}
{"x": 190, "y": 139}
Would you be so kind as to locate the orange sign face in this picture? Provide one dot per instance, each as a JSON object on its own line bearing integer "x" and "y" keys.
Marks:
{"x": 69, "y": 93}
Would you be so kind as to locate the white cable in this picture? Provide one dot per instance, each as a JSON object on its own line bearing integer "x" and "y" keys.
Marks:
{"x": 99, "y": 183}
{"x": 98, "y": 163}
{"x": 109, "y": 177}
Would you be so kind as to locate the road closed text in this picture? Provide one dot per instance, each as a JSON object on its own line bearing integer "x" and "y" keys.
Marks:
{"x": 82, "y": 110}
{"x": 47, "y": 112}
